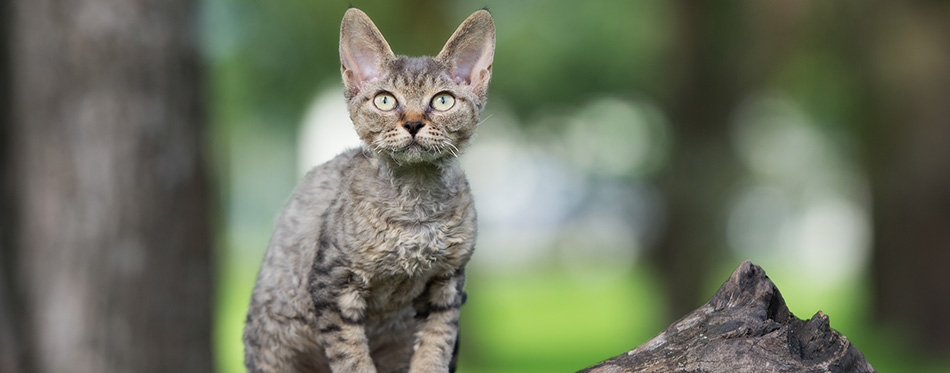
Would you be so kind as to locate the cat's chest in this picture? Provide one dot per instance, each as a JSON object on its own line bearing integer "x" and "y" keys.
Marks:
{"x": 415, "y": 239}
{"x": 419, "y": 244}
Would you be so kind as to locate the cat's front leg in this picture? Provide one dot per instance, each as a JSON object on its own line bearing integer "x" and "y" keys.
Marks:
{"x": 340, "y": 308}
{"x": 438, "y": 312}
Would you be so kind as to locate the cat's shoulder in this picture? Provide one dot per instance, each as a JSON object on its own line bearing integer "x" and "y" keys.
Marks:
{"x": 335, "y": 168}
{"x": 323, "y": 180}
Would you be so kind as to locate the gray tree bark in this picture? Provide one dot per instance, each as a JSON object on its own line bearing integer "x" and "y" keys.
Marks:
{"x": 9, "y": 352}
{"x": 112, "y": 234}
{"x": 745, "y": 327}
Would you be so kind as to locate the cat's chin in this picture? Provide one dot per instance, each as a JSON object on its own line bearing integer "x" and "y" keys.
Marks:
{"x": 414, "y": 154}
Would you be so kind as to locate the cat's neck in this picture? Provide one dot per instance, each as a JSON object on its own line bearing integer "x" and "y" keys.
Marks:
{"x": 433, "y": 178}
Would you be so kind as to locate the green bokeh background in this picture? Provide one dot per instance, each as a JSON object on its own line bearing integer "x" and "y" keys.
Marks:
{"x": 269, "y": 59}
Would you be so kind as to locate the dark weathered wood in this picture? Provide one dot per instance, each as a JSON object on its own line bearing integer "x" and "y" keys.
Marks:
{"x": 745, "y": 327}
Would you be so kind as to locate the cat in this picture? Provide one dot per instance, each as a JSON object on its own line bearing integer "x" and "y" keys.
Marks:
{"x": 366, "y": 266}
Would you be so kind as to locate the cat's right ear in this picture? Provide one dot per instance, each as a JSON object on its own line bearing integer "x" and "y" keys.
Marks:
{"x": 363, "y": 50}
{"x": 470, "y": 51}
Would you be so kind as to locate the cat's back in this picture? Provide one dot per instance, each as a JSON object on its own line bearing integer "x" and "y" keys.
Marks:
{"x": 281, "y": 302}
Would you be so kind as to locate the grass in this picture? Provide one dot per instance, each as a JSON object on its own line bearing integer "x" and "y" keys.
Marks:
{"x": 237, "y": 274}
{"x": 542, "y": 320}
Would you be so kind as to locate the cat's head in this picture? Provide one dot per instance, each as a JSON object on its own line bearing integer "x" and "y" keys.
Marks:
{"x": 416, "y": 109}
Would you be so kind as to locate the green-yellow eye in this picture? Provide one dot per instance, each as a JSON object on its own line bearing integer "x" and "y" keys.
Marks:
{"x": 384, "y": 101}
{"x": 443, "y": 101}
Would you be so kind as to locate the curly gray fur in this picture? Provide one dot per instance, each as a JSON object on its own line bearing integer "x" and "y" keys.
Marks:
{"x": 365, "y": 268}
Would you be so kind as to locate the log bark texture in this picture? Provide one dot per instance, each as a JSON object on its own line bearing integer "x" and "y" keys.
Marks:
{"x": 745, "y": 327}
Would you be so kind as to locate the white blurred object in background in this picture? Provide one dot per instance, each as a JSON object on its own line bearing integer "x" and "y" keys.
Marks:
{"x": 326, "y": 130}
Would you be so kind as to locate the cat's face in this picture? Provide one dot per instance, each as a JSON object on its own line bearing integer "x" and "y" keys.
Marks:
{"x": 418, "y": 109}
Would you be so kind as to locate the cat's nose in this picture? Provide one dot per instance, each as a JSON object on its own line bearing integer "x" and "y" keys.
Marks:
{"x": 413, "y": 127}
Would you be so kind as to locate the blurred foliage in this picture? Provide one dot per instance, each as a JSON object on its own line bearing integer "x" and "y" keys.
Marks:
{"x": 268, "y": 59}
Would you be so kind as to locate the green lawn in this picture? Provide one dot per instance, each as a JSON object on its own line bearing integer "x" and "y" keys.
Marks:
{"x": 543, "y": 320}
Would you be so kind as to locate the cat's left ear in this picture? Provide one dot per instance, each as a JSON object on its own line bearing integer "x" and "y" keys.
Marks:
{"x": 470, "y": 50}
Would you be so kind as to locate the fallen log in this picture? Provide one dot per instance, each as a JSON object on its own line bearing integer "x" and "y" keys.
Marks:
{"x": 745, "y": 327}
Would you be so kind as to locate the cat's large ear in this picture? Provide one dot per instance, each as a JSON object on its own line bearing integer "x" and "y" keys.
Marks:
{"x": 363, "y": 50}
{"x": 470, "y": 50}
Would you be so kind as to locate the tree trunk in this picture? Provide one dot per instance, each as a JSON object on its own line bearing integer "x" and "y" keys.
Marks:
{"x": 113, "y": 235}
{"x": 746, "y": 326}
{"x": 721, "y": 56}
{"x": 9, "y": 349}
{"x": 706, "y": 87}
{"x": 908, "y": 159}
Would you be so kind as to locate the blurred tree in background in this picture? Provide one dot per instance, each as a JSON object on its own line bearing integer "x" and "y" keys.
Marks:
{"x": 904, "y": 68}
{"x": 9, "y": 352}
{"x": 706, "y": 80}
{"x": 107, "y": 235}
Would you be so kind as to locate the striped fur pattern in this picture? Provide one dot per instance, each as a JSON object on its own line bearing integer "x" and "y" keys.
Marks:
{"x": 365, "y": 269}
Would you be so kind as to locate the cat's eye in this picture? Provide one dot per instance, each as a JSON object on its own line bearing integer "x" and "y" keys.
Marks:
{"x": 443, "y": 101}
{"x": 384, "y": 101}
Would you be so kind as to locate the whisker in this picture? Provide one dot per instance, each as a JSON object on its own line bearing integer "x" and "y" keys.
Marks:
{"x": 484, "y": 119}
{"x": 456, "y": 152}
{"x": 393, "y": 156}
{"x": 378, "y": 146}
{"x": 443, "y": 147}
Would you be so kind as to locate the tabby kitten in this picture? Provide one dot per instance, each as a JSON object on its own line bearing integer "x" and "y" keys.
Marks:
{"x": 365, "y": 268}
